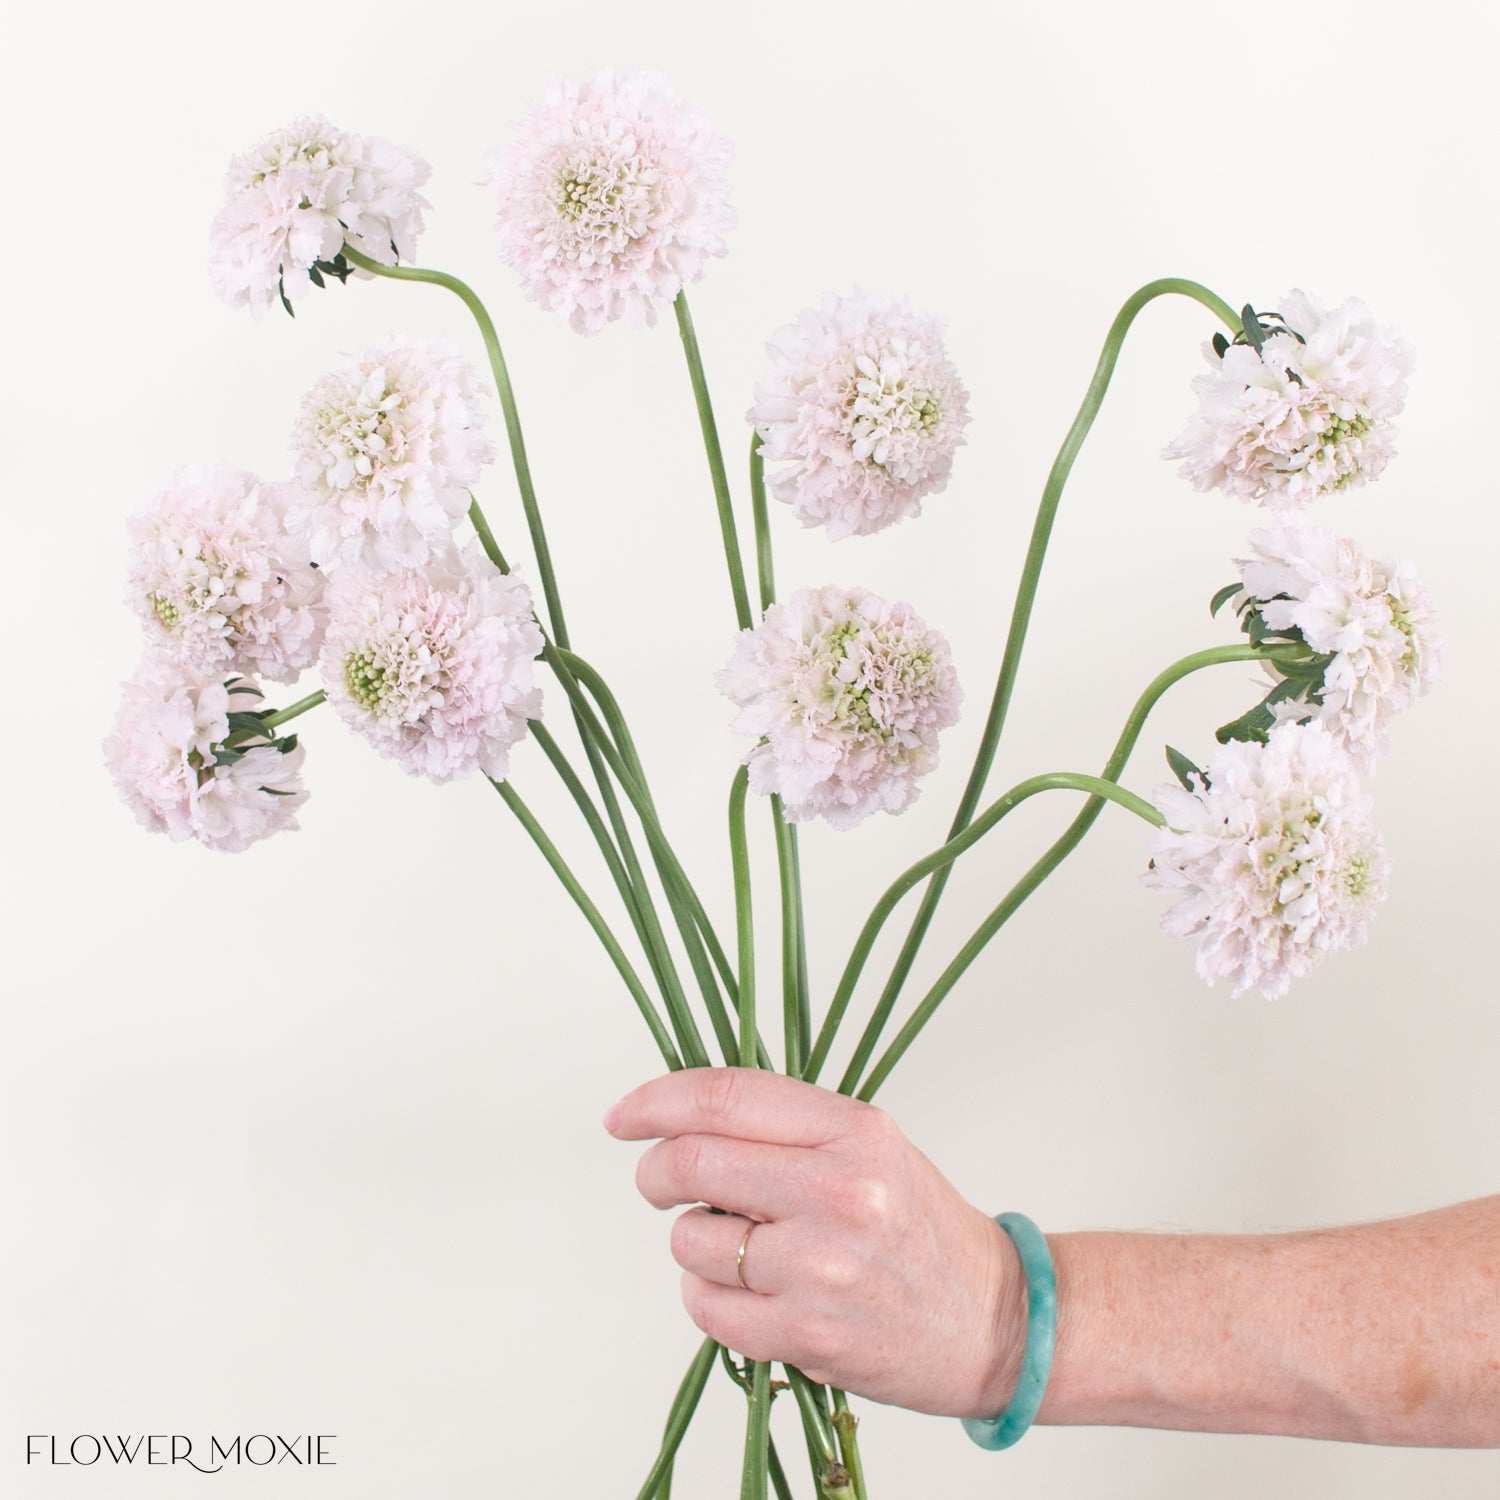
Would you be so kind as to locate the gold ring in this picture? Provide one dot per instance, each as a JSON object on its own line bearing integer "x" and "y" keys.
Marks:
{"x": 739, "y": 1260}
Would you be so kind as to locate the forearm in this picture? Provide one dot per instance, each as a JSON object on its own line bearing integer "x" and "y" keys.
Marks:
{"x": 1378, "y": 1333}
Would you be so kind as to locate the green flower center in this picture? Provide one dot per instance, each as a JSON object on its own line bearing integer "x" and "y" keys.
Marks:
{"x": 364, "y": 681}
{"x": 164, "y": 609}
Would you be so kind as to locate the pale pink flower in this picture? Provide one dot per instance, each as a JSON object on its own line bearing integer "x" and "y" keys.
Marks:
{"x": 297, "y": 197}
{"x": 1370, "y": 615}
{"x": 611, "y": 196}
{"x": 848, "y": 694}
{"x": 218, "y": 581}
{"x": 860, "y": 414}
{"x": 387, "y": 447}
{"x": 434, "y": 667}
{"x": 1275, "y": 859}
{"x": 164, "y": 751}
{"x": 1302, "y": 417}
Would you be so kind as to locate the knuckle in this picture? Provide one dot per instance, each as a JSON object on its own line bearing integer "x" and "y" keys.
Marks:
{"x": 863, "y": 1199}
{"x": 720, "y": 1093}
{"x": 685, "y": 1160}
{"x": 839, "y": 1271}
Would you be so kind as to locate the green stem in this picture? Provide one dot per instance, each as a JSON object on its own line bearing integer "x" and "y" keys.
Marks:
{"x": 778, "y": 1474}
{"x": 744, "y": 917}
{"x": 1031, "y": 572}
{"x": 619, "y": 852}
{"x": 591, "y": 914}
{"x": 755, "y": 1474}
{"x": 683, "y": 1406}
{"x": 673, "y": 875}
{"x": 793, "y": 1006}
{"x": 1063, "y": 847}
{"x": 301, "y": 706}
{"x": 512, "y": 418}
{"x": 814, "y": 1419}
{"x": 845, "y": 1423}
{"x": 715, "y": 461}
{"x": 764, "y": 564}
{"x": 698, "y": 937}
{"x": 1000, "y": 808}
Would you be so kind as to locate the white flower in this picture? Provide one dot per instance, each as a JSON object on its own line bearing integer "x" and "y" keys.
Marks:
{"x": 434, "y": 668}
{"x": 863, "y": 408}
{"x": 848, "y": 694}
{"x": 1371, "y": 615}
{"x": 171, "y": 725}
{"x": 298, "y": 197}
{"x": 387, "y": 447}
{"x": 1275, "y": 860}
{"x": 611, "y": 197}
{"x": 1298, "y": 419}
{"x": 217, "y": 579}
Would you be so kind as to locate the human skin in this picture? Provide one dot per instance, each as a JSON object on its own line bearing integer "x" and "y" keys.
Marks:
{"x": 869, "y": 1271}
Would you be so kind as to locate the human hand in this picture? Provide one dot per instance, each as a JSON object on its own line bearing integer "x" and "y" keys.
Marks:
{"x": 864, "y": 1268}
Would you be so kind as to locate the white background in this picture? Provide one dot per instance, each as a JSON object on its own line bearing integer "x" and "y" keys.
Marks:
{"x": 307, "y": 1139}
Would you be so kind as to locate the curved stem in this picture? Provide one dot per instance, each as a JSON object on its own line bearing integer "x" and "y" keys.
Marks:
{"x": 591, "y": 914}
{"x": 715, "y": 461}
{"x": 507, "y": 405}
{"x": 1057, "y": 853}
{"x": 301, "y": 706}
{"x": 1000, "y": 808}
{"x": 744, "y": 916}
{"x": 1031, "y": 572}
{"x": 1114, "y": 767}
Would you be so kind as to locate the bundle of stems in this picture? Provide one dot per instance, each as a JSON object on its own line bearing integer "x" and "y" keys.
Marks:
{"x": 616, "y": 805}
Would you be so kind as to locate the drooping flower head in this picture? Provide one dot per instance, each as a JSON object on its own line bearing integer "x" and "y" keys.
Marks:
{"x": 295, "y": 199}
{"x": 1301, "y": 406}
{"x": 217, "y": 580}
{"x": 611, "y": 196}
{"x": 848, "y": 694}
{"x": 1273, "y": 856}
{"x": 860, "y": 414}
{"x": 387, "y": 447}
{"x": 1371, "y": 618}
{"x": 171, "y": 766}
{"x": 434, "y": 667}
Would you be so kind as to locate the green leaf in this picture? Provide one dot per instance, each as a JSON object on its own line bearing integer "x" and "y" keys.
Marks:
{"x": 316, "y": 277}
{"x": 1255, "y": 330}
{"x": 1223, "y": 597}
{"x": 246, "y": 723}
{"x": 1221, "y": 345}
{"x": 1252, "y": 727}
{"x": 287, "y": 745}
{"x": 271, "y": 791}
{"x": 281, "y": 292}
{"x": 1184, "y": 769}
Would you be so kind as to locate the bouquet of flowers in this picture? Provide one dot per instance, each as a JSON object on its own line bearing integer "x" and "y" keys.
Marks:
{"x": 374, "y": 563}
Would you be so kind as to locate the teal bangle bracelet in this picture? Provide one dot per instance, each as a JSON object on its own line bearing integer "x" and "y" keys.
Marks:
{"x": 1041, "y": 1338}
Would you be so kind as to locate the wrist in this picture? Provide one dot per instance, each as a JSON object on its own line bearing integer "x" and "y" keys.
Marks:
{"x": 1004, "y": 1324}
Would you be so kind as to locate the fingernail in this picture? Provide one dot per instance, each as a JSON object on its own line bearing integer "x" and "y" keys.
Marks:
{"x": 612, "y": 1118}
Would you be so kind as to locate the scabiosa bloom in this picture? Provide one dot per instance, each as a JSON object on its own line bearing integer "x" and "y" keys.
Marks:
{"x": 848, "y": 694}
{"x": 172, "y": 724}
{"x": 611, "y": 197}
{"x": 1371, "y": 616}
{"x": 1308, "y": 414}
{"x": 294, "y": 200}
{"x": 1274, "y": 857}
{"x": 218, "y": 581}
{"x": 863, "y": 409}
{"x": 387, "y": 447}
{"x": 434, "y": 668}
